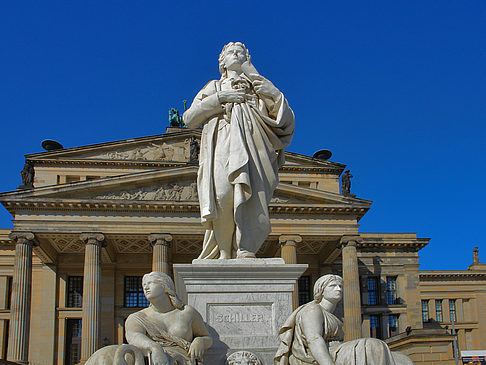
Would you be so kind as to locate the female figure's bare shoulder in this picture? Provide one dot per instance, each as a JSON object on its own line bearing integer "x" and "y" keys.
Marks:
{"x": 312, "y": 310}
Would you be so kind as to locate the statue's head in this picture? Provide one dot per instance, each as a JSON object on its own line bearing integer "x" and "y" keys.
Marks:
{"x": 329, "y": 287}
{"x": 233, "y": 55}
{"x": 157, "y": 283}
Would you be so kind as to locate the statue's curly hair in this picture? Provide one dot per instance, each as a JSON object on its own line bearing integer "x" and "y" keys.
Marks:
{"x": 321, "y": 284}
{"x": 221, "y": 55}
{"x": 168, "y": 285}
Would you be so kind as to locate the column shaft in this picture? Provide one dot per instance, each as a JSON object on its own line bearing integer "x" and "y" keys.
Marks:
{"x": 18, "y": 341}
{"x": 288, "y": 251}
{"x": 352, "y": 300}
{"x": 160, "y": 255}
{"x": 90, "y": 333}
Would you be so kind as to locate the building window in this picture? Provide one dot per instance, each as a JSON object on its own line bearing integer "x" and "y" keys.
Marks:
{"x": 373, "y": 291}
{"x": 75, "y": 292}
{"x": 392, "y": 325}
{"x": 5, "y": 338}
{"x": 375, "y": 326}
{"x": 438, "y": 310}
{"x": 304, "y": 289}
{"x": 391, "y": 290}
{"x": 452, "y": 310}
{"x": 72, "y": 354}
{"x": 425, "y": 311}
{"x": 72, "y": 179}
{"x": 134, "y": 296}
{"x": 9, "y": 292}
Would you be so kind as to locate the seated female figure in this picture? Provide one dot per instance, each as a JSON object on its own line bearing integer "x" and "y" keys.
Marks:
{"x": 168, "y": 331}
{"x": 310, "y": 334}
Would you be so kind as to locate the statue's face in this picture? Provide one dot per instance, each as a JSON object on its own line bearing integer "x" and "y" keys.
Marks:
{"x": 333, "y": 292}
{"x": 152, "y": 288}
{"x": 234, "y": 57}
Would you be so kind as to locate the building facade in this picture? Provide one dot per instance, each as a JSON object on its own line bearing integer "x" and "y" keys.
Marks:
{"x": 98, "y": 217}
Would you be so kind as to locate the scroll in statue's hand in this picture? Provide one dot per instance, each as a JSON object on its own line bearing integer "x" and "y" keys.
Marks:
{"x": 231, "y": 96}
{"x": 196, "y": 350}
{"x": 264, "y": 87}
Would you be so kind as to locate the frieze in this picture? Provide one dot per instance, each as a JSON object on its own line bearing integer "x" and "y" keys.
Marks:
{"x": 152, "y": 152}
{"x": 170, "y": 192}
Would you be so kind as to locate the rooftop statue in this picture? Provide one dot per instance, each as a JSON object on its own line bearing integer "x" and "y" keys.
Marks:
{"x": 312, "y": 334}
{"x": 346, "y": 183}
{"x": 168, "y": 331}
{"x": 247, "y": 123}
{"x": 175, "y": 118}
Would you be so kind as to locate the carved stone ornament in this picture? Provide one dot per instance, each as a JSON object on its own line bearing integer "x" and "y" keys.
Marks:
{"x": 151, "y": 152}
{"x": 243, "y": 358}
{"x": 173, "y": 191}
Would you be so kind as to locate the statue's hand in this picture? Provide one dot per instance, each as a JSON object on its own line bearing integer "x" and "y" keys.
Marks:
{"x": 231, "y": 96}
{"x": 264, "y": 87}
{"x": 196, "y": 350}
{"x": 159, "y": 357}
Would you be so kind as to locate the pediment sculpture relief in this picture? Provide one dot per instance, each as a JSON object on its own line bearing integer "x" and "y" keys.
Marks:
{"x": 172, "y": 192}
{"x": 152, "y": 152}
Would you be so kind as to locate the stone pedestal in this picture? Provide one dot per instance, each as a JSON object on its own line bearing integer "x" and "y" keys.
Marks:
{"x": 243, "y": 301}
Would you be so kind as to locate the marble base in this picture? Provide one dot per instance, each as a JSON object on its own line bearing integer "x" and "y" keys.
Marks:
{"x": 243, "y": 301}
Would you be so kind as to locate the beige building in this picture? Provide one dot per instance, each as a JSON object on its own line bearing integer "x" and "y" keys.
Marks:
{"x": 98, "y": 217}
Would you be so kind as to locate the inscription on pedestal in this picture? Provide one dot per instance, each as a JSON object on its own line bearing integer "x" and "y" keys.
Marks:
{"x": 236, "y": 319}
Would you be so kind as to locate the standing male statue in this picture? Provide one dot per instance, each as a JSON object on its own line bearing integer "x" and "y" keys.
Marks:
{"x": 247, "y": 124}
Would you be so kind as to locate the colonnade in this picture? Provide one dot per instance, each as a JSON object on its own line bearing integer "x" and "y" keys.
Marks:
{"x": 18, "y": 342}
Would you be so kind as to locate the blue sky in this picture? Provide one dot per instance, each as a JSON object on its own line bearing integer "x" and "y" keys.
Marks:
{"x": 395, "y": 89}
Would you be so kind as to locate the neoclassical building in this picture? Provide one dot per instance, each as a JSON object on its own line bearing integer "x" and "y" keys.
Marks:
{"x": 98, "y": 217}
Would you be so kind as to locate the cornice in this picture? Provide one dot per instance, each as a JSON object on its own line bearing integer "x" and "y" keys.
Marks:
{"x": 113, "y": 162}
{"x": 452, "y": 275}
{"x": 393, "y": 244}
{"x": 66, "y": 161}
{"x": 71, "y": 205}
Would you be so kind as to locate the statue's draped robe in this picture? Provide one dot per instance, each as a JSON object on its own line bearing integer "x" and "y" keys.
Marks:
{"x": 177, "y": 348}
{"x": 294, "y": 348}
{"x": 252, "y": 136}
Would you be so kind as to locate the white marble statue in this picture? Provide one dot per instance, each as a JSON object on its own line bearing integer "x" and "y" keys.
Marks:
{"x": 168, "y": 332}
{"x": 247, "y": 123}
{"x": 312, "y": 334}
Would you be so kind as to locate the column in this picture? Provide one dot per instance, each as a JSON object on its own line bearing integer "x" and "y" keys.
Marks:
{"x": 288, "y": 246}
{"x": 90, "y": 333}
{"x": 18, "y": 339}
{"x": 351, "y": 300}
{"x": 160, "y": 256}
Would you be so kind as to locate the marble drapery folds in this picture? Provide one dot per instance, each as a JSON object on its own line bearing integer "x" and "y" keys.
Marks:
{"x": 241, "y": 150}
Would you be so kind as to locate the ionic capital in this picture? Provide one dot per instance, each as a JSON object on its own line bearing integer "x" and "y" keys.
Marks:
{"x": 160, "y": 239}
{"x": 22, "y": 237}
{"x": 351, "y": 241}
{"x": 93, "y": 238}
{"x": 289, "y": 240}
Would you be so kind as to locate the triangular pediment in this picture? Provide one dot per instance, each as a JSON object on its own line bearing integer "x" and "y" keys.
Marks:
{"x": 167, "y": 186}
{"x": 296, "y": 160}
{"x": 173, "y": 147}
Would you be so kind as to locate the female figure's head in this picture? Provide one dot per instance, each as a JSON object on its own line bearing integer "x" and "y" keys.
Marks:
{"x": 329, "y": 287}
{"x": 233, "y": 55}
{"x": 157, "y": 283}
